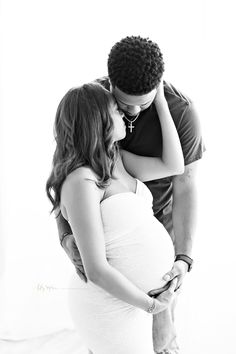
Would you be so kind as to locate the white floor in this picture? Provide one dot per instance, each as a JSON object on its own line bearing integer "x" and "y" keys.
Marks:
{"x": 63, "y": 342}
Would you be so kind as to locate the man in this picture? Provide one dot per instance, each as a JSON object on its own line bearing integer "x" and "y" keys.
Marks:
{"x": 135, "y": 68}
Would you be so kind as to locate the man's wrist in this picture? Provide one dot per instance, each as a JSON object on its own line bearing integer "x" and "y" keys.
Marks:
{"x": 188, "y": 260}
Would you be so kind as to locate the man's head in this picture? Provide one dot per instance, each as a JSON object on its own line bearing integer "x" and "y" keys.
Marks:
{"x": 135, "y": 68}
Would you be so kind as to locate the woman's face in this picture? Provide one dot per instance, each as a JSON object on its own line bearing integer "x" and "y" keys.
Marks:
{"x": 117, "y": 115}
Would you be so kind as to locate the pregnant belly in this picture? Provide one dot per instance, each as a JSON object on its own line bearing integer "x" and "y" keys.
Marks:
{"x": 143, "y": 256}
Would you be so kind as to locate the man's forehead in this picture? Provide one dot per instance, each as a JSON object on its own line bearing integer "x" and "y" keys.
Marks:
{"x": 133, "y": 100}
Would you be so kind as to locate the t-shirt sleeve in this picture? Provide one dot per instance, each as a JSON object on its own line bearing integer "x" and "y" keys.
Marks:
{"x": 190, "y": 134}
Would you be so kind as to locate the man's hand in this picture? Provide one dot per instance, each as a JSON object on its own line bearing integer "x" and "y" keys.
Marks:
{"x": 72, "y": 251}
{"x": 68, "y": 243}
{"x": 176, "y": 274}
{"x": 164, "y": 300}
{"x": 178, "y": 271}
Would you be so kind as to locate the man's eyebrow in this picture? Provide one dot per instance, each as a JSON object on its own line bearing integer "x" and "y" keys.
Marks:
{"x": 118, "y": 99}
{"x": 143, "y": 104}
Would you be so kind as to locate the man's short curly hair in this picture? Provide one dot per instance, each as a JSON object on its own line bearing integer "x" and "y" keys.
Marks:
{"x": 135, "y": 65}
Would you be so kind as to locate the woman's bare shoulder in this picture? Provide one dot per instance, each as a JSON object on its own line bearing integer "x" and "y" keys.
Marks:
{"x": 81, "y": 183}
{"x": 80, "y": 175}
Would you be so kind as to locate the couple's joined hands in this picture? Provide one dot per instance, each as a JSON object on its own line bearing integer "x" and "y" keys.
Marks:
{"x": 177, "y": 273}
{"x": 164, "y": 296}
{"x": 164, "y": 299}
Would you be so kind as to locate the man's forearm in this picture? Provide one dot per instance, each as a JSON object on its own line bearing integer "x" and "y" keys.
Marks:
{"x": 184, "y": 221}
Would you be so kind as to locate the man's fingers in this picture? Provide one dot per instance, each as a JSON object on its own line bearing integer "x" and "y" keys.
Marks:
{"x": 74, "y": 245}
{"x": 74, "y": 251}
{"x": 81, "y": 275}
{"x": 177, "y": 291}
{"x": 172, "y": 286}
{"x": 169, "y": 276}
{"x": 179, "y": 284}
{"x": 80, "y": 267}
{"x": 74, "y": 255}
{"x": 76, "y": 260}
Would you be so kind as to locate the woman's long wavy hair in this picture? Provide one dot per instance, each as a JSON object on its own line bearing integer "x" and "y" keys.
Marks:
{"x": 84, "y": 137}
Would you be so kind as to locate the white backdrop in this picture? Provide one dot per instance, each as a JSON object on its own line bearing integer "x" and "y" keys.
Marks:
{"x": 46, "y": 48}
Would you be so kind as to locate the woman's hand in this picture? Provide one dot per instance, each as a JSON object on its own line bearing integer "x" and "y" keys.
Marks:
{"x": 165, "y": 299}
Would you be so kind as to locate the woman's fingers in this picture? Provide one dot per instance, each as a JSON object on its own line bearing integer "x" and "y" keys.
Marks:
{"x": 156, "y": 292}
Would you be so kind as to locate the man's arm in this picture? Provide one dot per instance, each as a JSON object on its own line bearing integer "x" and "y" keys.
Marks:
{"x": 63, "y": 227}
{"x": 68, "y": 243}
{"x": 184, "y": 219}
{"x": 184, "y": 209}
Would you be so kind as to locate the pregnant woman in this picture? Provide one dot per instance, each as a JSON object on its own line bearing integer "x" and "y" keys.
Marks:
{"x": 98, "y": 189}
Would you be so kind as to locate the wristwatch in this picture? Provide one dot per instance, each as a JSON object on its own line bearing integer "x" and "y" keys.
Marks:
{"x": 186, "y": 259}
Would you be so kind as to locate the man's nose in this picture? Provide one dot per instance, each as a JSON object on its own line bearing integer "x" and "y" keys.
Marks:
{"x": 133, "y": 110}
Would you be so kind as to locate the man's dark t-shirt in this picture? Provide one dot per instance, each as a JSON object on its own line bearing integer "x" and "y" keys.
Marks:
{"x": 146, "y": 140}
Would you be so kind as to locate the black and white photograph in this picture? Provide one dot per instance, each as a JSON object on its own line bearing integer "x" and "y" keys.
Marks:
{"x": 117, "y": 150}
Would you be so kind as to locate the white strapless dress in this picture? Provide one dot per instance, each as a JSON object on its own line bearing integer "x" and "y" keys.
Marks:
{"x": 137, "y": 245}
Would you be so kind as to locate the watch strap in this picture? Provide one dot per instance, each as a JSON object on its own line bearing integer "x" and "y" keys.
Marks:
{"x": 186, "y": 259}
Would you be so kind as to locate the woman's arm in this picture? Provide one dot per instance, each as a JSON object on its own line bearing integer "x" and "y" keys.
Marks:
{"x": 172, "y": 162}
{"x": 81, "y": 199}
